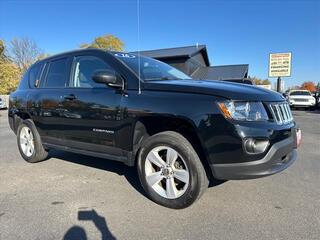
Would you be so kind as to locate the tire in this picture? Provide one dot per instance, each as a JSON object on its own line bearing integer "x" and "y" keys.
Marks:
{"x": 178, "y": 184}
{"x": 29, "y": 138}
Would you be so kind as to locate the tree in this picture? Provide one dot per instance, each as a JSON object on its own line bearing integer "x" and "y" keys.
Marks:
{"x": 294, "y": 87}
{"x": 9, "y": 76}
{"x": 24, "y": 52}
{"x": 1, "y": 48}
{"x": 266, "y": 82}
{"x": 42, "y": 56}
{"x": 9, "y": 72}
{"x": 259, "y": 81}
{"x": 108, "y": 42}
{"x": 309, "y": 86}
{"x": 3, "y": 54}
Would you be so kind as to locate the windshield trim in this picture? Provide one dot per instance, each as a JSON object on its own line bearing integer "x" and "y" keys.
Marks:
{"x": 124, "y": 64}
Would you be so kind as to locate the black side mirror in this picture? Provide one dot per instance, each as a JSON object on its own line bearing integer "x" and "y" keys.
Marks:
{"x": 108, "y": 77}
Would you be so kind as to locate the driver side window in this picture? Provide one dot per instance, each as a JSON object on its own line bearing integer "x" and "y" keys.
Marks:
{"x": 83, "y": 70}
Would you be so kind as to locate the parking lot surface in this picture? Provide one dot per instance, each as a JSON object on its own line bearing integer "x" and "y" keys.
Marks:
{"x": 71, "y": 196}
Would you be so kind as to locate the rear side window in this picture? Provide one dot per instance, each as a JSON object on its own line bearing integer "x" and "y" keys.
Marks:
{"x": 34, "y": 75}
{"x": 57, "y": 74}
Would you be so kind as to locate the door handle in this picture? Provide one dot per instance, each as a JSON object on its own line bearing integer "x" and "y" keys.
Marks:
{"x": 70, "y": 97}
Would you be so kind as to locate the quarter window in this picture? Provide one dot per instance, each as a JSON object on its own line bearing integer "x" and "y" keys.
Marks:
{"x": 34, "y": 75}
{"x": 57, "y": 74}
{"x": 24, "y": 81}
{"x": 83, "y": 70}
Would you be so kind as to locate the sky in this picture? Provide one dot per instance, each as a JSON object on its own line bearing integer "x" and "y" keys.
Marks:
{"x": 235, "y": 32}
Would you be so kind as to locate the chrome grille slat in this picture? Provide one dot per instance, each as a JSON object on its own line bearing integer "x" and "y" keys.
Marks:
{"x": 289, "y": 110}
{"x": 287, "y": 113}
{"x": 284, "y": 114}
{"x": 281, "y": 113}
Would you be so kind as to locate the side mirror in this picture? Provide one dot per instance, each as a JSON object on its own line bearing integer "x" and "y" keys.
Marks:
{"x": 108, "y": 77}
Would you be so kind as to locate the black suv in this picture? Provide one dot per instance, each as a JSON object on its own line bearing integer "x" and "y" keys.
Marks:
{"x": 177, "y": 131}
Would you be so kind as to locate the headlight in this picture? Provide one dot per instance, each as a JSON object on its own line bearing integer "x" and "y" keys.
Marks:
{"x": 243, "y": 111}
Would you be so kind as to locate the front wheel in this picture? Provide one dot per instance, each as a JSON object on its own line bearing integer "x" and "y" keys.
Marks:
{"x": 170, "y": 170}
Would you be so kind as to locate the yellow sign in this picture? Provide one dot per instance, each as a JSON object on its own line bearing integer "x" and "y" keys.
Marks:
{"x": 280, "y": 64}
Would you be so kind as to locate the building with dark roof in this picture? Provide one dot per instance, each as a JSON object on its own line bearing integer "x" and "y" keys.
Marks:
{"x": 224, "y": 72}
{"x": 194, "y": 61}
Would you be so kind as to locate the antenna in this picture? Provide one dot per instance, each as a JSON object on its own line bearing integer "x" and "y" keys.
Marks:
{"x": 138, "y": 14}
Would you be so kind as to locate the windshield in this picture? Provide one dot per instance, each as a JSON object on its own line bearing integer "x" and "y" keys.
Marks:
{"x": 150, "y": 69}
{"x": 304, "y": 93}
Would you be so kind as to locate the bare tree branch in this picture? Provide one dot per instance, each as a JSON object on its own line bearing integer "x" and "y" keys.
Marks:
{"x": 24, "y": 52}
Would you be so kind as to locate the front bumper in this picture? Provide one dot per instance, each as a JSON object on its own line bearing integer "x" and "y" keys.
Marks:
{"x": 302, "y": 104}
{"x": 280, "y": 156}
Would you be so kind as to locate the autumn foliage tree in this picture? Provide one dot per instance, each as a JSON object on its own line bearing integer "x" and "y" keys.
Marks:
{"x": 15, "y": 60}
{"x": 9, "y": 72}
{"x": 2, "y": 48}
{"x": 108, "y": 42}
{"x": 9, "y": 77}
{"x": 309, "y": 86}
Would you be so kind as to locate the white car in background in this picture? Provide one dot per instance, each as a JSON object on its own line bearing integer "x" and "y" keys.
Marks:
{"x": 301, "y": 98}
{"x": 2, "y": 104}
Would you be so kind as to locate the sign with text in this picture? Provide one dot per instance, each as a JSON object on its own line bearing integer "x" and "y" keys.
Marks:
{"x": 280, "y": 64}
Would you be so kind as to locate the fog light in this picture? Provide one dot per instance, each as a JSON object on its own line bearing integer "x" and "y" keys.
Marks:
{"x": 255, "y": 146}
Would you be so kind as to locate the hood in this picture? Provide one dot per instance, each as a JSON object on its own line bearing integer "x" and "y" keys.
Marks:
{"x": 229, "y": 90}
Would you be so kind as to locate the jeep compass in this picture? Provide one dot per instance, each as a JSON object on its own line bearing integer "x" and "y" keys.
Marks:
{"x": 178, "y": 132}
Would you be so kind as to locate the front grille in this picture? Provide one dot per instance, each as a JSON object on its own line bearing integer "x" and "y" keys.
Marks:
{"x": 281, "y": 112}
{"x": 300, "y": 100}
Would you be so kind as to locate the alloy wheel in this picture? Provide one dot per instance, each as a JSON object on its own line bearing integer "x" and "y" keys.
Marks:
{"x": 26, "y": 141}
{"x": 166, "y": 172}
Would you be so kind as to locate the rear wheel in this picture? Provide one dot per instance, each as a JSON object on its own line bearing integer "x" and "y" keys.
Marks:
{"x": 170, "y": 170}
{"x": 29, "y": 142}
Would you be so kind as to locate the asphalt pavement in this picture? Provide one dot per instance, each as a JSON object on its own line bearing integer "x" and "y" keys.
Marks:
{"x": 71, "y": 196}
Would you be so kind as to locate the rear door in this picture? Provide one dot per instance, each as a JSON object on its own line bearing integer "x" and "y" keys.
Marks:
{"x": 49, "y": 98}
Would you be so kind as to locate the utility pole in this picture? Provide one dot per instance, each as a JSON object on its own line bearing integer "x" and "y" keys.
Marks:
{"x": 279, "y": 84}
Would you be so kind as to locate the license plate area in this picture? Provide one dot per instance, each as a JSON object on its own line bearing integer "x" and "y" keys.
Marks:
{"x": 298, "y": 137}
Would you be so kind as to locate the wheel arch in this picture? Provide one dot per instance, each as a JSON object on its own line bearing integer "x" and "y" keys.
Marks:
{"x": 19, "y": 117}
{"x": 148, "y": 126}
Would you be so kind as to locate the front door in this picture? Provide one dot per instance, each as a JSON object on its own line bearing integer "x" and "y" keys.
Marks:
{"x": 91, "y": 110}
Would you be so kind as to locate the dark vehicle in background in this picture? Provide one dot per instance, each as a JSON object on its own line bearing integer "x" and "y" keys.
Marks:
{"x": 316, "y": 95}
{"x": 178, "y": 132}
